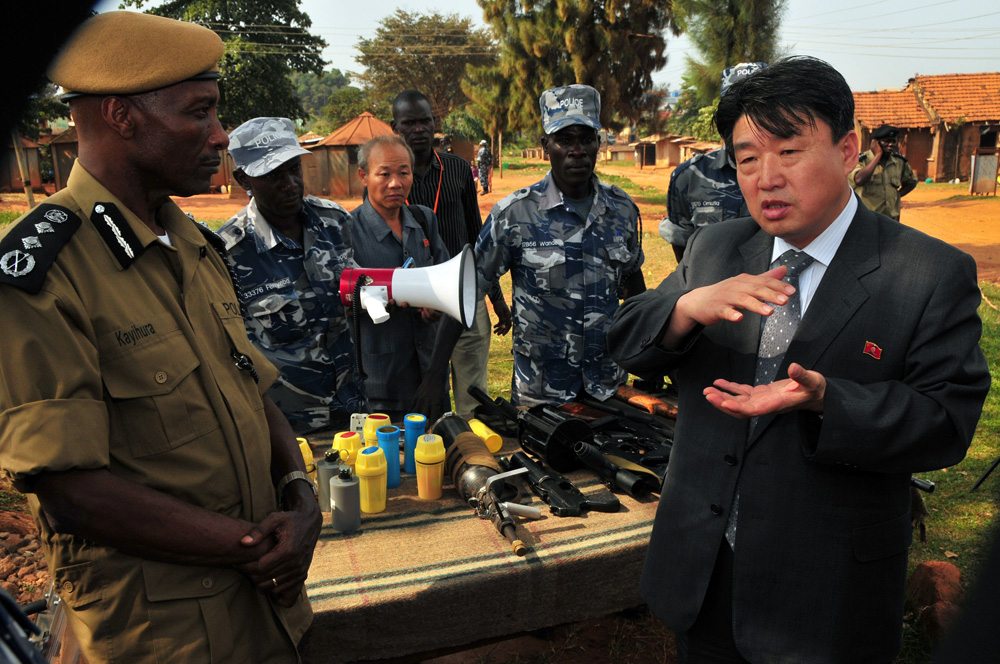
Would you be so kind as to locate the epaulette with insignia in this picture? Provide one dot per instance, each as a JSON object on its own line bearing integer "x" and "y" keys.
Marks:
{"x": 324, "y": 203}
{"x": 217, "y": 242}
{"x": 114, "y": 229}
{"x": 30, "y": 248}
{"x": 234, "y": 230}
{"x": 511, "y": 198}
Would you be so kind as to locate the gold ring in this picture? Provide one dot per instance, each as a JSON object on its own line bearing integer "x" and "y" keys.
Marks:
{"x": 274, "y": 581}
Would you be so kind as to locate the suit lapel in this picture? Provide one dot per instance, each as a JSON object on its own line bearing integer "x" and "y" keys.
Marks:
{"x": 835, "y": 301}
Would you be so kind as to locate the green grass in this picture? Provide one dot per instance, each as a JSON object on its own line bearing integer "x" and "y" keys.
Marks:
{"x": 7, "y": 217}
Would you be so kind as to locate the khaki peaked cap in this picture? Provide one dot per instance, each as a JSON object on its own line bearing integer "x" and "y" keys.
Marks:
{"x": 129, "y": 53}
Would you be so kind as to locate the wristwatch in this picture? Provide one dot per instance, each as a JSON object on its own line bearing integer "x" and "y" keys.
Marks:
{"x": 291, "y": 477}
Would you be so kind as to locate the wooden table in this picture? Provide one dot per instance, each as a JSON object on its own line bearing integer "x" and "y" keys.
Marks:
{"x": 430, "y": 575}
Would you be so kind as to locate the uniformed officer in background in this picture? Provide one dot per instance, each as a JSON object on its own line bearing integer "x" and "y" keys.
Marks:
{"x": 883, "y": 176}
{"x": 703, "y": 190}
{"x": 170, "y": 497}
{"x": 288, "y": 251}
{"x": 572, "y": 245}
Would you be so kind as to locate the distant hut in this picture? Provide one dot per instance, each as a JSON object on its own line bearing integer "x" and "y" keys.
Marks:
{"x": 64, "y": 148}
{"x": 333, "y": 169}
{"x": 10, "y": 174}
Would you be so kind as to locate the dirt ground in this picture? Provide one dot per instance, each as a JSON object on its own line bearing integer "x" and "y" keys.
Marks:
{"x": 971, "y": 224}
{"x": 942, "y": 211}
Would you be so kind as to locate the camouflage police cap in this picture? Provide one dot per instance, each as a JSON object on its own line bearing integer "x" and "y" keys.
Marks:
{"x": 122, "y": 53}
{"x": 260, "y": 145}
{"x": 887, "y": 132}
{"x": 733, "y": 75}
{"x": 570, "y": 105}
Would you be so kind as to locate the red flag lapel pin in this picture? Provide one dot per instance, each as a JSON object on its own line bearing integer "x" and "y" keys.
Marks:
{"x": 873, "y": 349}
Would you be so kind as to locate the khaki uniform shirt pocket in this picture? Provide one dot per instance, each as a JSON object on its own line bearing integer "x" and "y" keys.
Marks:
{"x": 156, "y": 402}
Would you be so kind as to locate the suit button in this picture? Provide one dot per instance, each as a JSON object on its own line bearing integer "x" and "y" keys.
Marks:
{"x": 730, "y": 459}
{"x": 207, "y": 583}
{"x": 160, "y": 377}
{"x": 67, "y": 587}
{"x": 716, "y": 510}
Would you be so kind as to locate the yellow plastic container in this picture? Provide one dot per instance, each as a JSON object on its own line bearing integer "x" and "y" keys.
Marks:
{"x": 370, "y": 468}
{"x": 429, "y": 457}
{"x": 492, "y": 439}
{"x": 372, "y": 424}
{"x": 307, "y": 457}
{"x": 348, "y": 443}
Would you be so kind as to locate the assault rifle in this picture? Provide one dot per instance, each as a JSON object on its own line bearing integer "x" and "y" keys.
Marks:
{"x": 565, "y": 443}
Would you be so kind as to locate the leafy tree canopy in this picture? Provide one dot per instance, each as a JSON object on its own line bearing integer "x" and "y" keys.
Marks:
{"x": 725, "y": 33}
{"x": 613, "y": 45}
{"x": 426, "y": 52}
{"x": 266, "y": 40}
{"x": 343, "y": 105}
{"x": 314, "y": 90}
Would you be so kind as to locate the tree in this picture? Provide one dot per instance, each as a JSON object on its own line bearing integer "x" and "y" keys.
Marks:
{"x": 426, "y": 52}
{"x": 613, "y": 45}
{"x": 315, "y": 90}
{"x": 489, "y": 98}
{"x": 266, "y": 40}
{"x": 344, "y": 104}
{"x": 726, "y": 32}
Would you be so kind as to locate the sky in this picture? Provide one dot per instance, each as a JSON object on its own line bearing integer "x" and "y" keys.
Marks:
{"x": 875, "y": 44}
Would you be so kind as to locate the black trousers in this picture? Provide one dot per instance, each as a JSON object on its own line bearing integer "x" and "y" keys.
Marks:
{"x": 710, "y": 639}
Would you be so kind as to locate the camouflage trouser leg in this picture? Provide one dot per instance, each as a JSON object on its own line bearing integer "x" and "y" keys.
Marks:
{"x": 468, "y": 361}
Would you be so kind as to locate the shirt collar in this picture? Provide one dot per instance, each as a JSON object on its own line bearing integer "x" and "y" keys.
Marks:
{"x": 264, "y": 234}
{"x": 87, "y": 191}
{"x": 379, "y": 229}
{"x": 825, "y": 246}
{"x": 552, "y": 196}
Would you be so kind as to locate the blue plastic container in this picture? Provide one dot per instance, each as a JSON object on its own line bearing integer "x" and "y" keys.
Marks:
{"x": 388, "y": 440}
{"x": 414, "y": 425}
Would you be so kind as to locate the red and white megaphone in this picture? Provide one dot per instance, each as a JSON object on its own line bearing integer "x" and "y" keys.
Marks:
{"x": 449, "y": 287}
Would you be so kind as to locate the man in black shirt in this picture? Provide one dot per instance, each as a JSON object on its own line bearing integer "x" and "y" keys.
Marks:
{"x": 443, "y": 182}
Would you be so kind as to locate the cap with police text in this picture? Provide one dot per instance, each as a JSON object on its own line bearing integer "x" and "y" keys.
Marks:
{"x": 733, "y": 75}
{"x": 129, "y": 53}
{"x": 260, "y": 145}
{"x": 886, "y": 131}
{"x": 570, "y": 105}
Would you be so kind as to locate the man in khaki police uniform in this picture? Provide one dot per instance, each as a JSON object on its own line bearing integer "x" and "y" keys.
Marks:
{"x": 883, "y": 176}
{"x": 130, "y": 397}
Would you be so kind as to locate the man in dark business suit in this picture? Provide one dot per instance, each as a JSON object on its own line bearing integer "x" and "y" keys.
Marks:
{"x": 783, "y": 526}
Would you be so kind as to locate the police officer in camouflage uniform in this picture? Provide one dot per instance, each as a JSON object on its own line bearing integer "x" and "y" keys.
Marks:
{"x": 484, "y": 162}
{"x": 572, "y": 246}
{"x": 883, "y": 176}
{"x": 703, "y": 190}
{"x": 288, "y": 252}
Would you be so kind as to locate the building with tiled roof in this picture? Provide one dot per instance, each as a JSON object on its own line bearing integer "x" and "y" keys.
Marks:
{"x": 945, "y": 119}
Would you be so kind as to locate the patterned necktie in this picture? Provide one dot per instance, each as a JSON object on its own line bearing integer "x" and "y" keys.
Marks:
{"x": 776, "y": 334}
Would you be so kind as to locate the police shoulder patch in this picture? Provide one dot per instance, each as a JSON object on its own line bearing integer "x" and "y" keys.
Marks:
{"x": 30, "y": 248}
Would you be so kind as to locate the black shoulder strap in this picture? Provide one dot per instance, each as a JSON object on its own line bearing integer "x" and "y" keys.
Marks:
{"x": 30, "y": 248}
{"x": 421, "y": 216}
